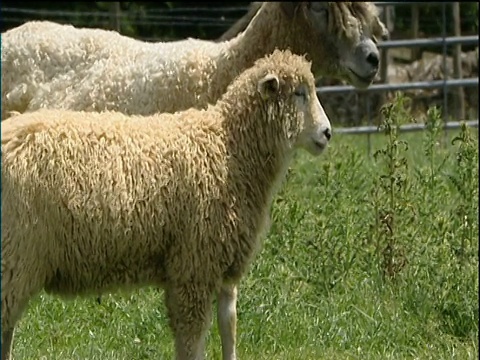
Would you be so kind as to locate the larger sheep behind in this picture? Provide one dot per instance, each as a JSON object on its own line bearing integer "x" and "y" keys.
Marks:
{"x": 45, "y": 64}
{"x": 92, "y": 202}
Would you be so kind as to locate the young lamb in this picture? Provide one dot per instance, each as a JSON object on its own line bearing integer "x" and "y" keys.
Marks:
{"x": 45, "y": 64}
{"x": 92, "y": 202}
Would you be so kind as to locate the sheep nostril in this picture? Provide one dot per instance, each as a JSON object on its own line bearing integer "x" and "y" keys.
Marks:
{"x": 328, "y": 133}
{"x": 373, "y": 59}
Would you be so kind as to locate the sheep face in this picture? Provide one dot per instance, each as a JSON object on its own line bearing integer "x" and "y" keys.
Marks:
{"x": 316, "y": 130}
{"x": 306, "y": 124}
{"x": 343, "y": 41}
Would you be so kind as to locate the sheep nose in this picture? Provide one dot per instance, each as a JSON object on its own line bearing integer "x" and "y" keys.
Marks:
{"x": 373, "y": 59}
{"x": 328, "y": 133}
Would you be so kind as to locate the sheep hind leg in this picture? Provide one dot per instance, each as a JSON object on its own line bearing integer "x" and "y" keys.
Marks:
{"x": 189, "y": 310}
{"x": 227, "y": 320}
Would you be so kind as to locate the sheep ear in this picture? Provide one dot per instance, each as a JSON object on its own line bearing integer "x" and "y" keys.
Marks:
{"x": 268, "y": 86}
{"x": 383, "y": 31}
{"x": 289, "y": 8}
{"x": 380, "y": 30}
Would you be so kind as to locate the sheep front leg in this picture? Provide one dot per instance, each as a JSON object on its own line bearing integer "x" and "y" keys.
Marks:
{"x": 7, "y": 337}
{"x": 14, "y": 302}
{"x": 18, "y": 286}
{"x": 189, "y": 309}
{"x": 227, "y": 320}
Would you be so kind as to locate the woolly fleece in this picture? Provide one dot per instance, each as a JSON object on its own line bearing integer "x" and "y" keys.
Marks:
{"x": 96, "y": 201}
{"x": 48, "y": 65}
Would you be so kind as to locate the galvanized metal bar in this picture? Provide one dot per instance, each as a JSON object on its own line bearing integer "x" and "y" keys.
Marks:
{"x": 390, "y": 3}
{"x": 445, "y": 70}
{"x": 435, "y": 41}
{"x": 434, "y": 84}
{"x": 370, "y": 121}
{"x": 403, "y": 128}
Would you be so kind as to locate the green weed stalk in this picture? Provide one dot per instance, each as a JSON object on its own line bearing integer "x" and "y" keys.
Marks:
{"x": 465, "y": 181}
{"x": 390, "y": 185}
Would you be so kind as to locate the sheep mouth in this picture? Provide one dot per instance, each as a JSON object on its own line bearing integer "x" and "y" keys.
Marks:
{"x": 319, "y": 145}
{"x": 364, "y": 81}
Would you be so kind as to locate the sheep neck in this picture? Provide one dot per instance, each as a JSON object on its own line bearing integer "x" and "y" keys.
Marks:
{"x": 259, "y": 147}
{"x": 258, "y": 40}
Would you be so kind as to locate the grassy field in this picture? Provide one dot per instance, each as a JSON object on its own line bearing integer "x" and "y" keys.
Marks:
{"x": 369, "y": 257}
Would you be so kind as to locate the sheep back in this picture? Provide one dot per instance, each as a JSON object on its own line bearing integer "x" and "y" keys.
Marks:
{"x": 140, "y": 201}
{"x": 60, "y": 66}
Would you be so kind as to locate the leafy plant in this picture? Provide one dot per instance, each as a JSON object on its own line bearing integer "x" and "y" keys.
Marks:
{"x": 390, "y": 186}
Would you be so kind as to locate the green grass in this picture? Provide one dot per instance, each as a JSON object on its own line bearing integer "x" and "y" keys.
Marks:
{"x": 335, "y": 279}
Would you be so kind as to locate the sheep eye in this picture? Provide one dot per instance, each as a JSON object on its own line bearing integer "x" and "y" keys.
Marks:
{"x": 319, "y": 8}
{"x": 302, "y": 94}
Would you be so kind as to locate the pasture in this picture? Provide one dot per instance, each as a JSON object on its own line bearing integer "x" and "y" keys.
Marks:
{"x": 367, "y": 258}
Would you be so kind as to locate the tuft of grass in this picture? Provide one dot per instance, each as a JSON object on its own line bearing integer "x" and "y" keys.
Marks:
{"x": 322, "y": 287}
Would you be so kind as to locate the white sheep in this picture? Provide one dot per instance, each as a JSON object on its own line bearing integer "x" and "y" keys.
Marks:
{"x": 45, "y": 64}
{"x": 92, "y": 202}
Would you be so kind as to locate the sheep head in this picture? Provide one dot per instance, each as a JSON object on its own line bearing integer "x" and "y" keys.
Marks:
{"x": 304, "y": 122}
{"x": 339, "y": 37}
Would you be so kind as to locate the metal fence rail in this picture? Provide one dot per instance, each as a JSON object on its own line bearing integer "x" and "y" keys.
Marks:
{"x": 434, "y": 84}
{"x": 403, "y": 128}
{"x": 451, "y": 40}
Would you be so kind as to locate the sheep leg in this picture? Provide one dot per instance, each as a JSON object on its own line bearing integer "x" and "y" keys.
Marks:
{"x": 20, "y": 281}
{"x": 189, "y": 309}
{"x": 13, "y": 305}
{"x": 7, "y": 337}
{"x": 227, "y": 320}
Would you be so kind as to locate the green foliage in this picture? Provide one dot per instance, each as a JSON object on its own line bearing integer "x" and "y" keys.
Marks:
{"x": 321, "y": 287}
{"x": 431, "y": 143}
{"x": 390, "y": 186}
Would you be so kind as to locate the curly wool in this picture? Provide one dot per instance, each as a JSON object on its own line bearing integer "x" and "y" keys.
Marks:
{"x": 96, "y": 201}
{"x": 48, "y": 65}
